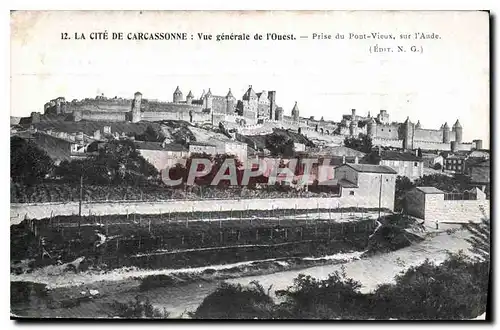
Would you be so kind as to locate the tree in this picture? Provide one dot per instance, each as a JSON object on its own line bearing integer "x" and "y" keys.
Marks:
{"x": 29, "y": 164}
{"x": 362, "y": 143}
{"x": 182, "y": 171}
{"x": 403, "y": 185}
{"x": 280, "y": 145}
{"x": 456, "y": 289}
{"x": 117, "y": 162}
{"x": 337, "y": 297}
{"x": 151, "y": 135}
{"x": 480, "y": 239}
{"x": 458, "y": 183}
{"x": 234, "y": 301}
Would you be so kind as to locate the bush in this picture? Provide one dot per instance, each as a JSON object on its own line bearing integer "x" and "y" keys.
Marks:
{"x": 139, "y": 308}
{"x": 337, "y": 297}
{"x": 28, "y": 163}
{"x": 232, "y": 301}
{"x": 157, "y": 281}
{"x": 455, "y": 290}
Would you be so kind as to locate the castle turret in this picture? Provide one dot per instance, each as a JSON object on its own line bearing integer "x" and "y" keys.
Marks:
{"x": 418, "y": 124}
{"x": 136, "y": 107}
{"x": 59, "y": 102}
{"x": 35, "y": 117}
{"x": 272, "y": 104}
{"x": 446, "y": 133}
{"x": 230, "y": 103}
{"x": 279, "y": 114}
{"x": 457, "y": 128}
{"x": 408, "y": 134}
{"x": 353, "y": 114}
{"x": 371, "y": 128}
{"x": 454, "y": 146}
{"x": 250, "y": 95}
{"x": 353, "y": 127}
{"x": 295, "y": 112}
{"x": 477, "y": 144}
{"x": 208, "y": 100}
{"x": 178, "y": 95}
{"x": 189, "y": 98}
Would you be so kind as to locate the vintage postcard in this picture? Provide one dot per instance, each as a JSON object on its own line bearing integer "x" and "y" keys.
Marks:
{"x": 250, "y": 165}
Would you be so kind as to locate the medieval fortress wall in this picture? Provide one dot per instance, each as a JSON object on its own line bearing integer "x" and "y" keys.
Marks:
{"x": 257, "y": 114}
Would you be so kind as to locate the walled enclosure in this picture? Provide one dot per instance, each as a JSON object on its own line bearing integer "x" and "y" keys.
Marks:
{"x": 18, "y": 211}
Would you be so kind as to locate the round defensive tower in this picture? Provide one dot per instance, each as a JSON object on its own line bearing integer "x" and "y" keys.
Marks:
{"x": 408, "y": 134}
{"x": 189, "y": 98}
{"x": 446, "y": 133}
{"x": 178, "y": 97}
{"x": 457, "y": 128}
{"x": 136, "y": 107}
{"x": 371, "y": 128}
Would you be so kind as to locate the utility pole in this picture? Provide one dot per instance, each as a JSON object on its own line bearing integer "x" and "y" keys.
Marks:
{"x": 81, "y": 196}
{"x": 80, "y": 203}
{"x": 380, "y": 197}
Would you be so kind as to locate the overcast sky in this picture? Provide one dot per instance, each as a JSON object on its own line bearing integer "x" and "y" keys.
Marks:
{"x": 448, "y": 81}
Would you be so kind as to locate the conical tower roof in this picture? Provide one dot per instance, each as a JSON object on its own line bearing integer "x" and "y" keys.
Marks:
{"x": 202, "y": 95}
{"x": 209, "y": 93}
{"x": 418, "y": 124}
{"x": 177, "y": 91}
{"x": 457, "y": 124}
{"x": 229, "y": 94}
{"x": 190, "y": 95}
{"x": 407, "y": 121}
{"x": 295, "y": 107}
{"x": 250, "y": 93}
{"x": 445, "y": 126}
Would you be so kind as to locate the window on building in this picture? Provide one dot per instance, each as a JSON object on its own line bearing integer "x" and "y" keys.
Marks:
{"x": 351, "y": 193}
{"x": 459, "y": 161}
{"x": 415, "y": 164}
{"x": 459, "y": 167}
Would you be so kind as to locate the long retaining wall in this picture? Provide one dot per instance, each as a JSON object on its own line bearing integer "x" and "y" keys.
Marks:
{"x": 20, "y": 211}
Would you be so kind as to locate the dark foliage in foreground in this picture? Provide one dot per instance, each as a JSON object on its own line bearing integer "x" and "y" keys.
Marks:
{"x": 137, "y": 309}
{"x": 457, "y": 289}
{"x": 28, "y": 163}
{"x": 236, "y": 302}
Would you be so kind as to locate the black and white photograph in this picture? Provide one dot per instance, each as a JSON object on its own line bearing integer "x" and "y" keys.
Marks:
{"x": 250, "y": 165}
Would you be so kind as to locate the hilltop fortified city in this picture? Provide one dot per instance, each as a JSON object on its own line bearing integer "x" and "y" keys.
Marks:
{"x": 259, "y": 111}
{"x": 352, "y": 181}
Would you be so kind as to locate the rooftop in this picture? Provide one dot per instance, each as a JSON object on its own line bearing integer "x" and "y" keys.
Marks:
{"x": 341, "y": 151}
{"x": 482, "y": 163}
{"x": 347, "y": 184}
{"x": 369, "y": 168}
{"x": 402, "y": 156}
{"x": 203, "y": 144}
{"x": 430, "y": 190}
{"x": 146, "y": 145}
